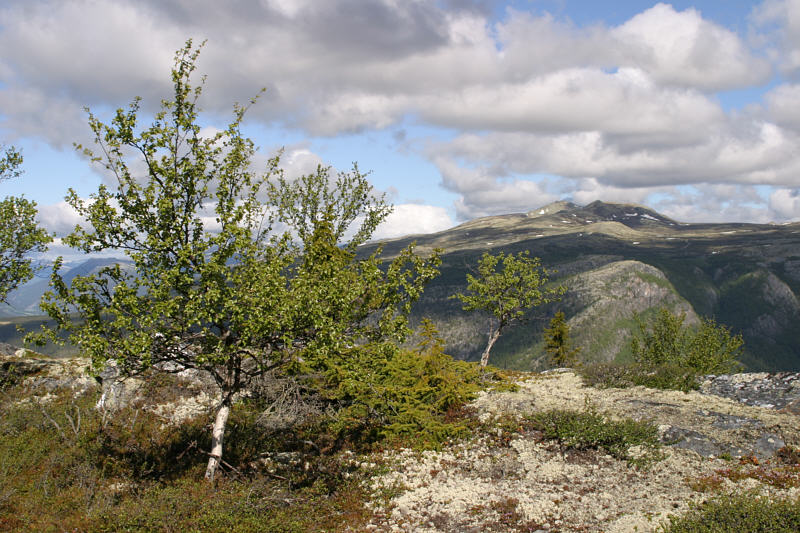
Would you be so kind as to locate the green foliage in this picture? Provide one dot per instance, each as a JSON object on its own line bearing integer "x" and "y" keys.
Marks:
{"x": 506, "y": 287}
{"x": 10, "y": 164}
{"x": 613, "y": 375}
{"x": 428, "y": 384}
{"x": 557, "y": 342}
{"x": 19, "y": 233}
{"x": 590, "y": 429}
{"x": 739, "y": 513}
{"x": 219, "y": 281}
{"x": 416, "y": 392}
{"x": 710, "y": 349}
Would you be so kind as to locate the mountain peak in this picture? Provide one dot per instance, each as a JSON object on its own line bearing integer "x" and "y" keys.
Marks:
{"x": 632, "y": 215}
{"x": 551, "y": 208}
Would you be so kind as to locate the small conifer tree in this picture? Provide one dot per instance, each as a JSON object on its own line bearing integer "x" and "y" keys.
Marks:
{"x": 557, "y": 342}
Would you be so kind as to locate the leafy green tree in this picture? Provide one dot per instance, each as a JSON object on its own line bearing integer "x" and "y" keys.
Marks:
{"x": 557, "y": 342}
{"x": 506, "y": 287}
{"x": 234, "y": 272}
{"x": 19, "y": 233}
{"x": 707, "y": 349}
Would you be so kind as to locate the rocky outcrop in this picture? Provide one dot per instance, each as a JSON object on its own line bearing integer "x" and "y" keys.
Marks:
{"x": 175, "y": 397}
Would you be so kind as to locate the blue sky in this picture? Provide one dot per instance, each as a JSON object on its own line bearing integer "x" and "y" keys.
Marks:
{"x": 459, "y": 108}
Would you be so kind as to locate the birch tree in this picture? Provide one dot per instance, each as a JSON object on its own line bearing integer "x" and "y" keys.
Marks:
{"x": 19, "y": 233}
{"x": 506, "y": 287}
{"x": 234, "y": 272}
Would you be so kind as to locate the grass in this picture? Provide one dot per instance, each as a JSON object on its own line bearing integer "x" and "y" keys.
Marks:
{"x": 65, "y": 466}
{"x": 629, "y": 440}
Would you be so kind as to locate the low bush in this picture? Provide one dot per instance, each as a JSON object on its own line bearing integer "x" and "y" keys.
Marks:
{"x": 612, "y": 375}
{"x": 65, "y": 465}
{"x": 413, "y": 398}
{"x": 737, "y": 514}
{"x": 707, "y": 349}
{"x": 591, "y": 429}
{"x": 234, "y": 506}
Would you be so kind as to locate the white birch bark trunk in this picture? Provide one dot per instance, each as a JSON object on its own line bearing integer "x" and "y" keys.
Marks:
{"x": 216, "y": 440}
{"x": 492, "y": 339}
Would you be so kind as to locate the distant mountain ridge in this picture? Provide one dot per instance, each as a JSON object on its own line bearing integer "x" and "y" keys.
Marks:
{"x": 25, "y": 300}
{"x": 618, "y": 260}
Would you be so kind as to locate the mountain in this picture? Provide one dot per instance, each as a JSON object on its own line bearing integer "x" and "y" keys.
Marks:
{"x": 619, "y": 260}
{"x": 25, "y": 300}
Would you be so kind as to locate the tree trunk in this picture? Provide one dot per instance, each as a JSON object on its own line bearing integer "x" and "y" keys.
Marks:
{"x": 492, "y": 339}
{"x": 216, "y": 438}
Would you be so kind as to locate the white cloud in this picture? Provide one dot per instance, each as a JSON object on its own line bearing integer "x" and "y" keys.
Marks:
{"x": 482, "y": 194}
{"x": 783, "y": 105}
{"x": 625, "y": 103}
{"x": 681, "y": 48}
{"x": 589, "y": 190}
{"x": 785, "y": 203}
{"x": 779, "y": 24}
{"x": 59, "y": 218}
{"x": 743, "y": 152}
{"x": 613, "y": 110}
{"x": 410, "y": 219}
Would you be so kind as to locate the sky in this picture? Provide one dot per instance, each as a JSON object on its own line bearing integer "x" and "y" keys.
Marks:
{"x": 458, "y": 108}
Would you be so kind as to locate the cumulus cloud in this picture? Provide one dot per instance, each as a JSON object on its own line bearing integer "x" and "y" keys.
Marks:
{"x": 778, "y": 22}
{"x": 482, "y": 194}
{"x": 410, "y": 219}
{"x": 602, "y": 109}
{"x": 748, "y": 152}
{"x": 59, "y": 218}
{"x": 785, "y": 203}
{"x": 783, "y": 105}
{"x": 681, "y": 48}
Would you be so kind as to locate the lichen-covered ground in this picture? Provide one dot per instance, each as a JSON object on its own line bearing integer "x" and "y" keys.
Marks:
{"x": 527, "y": 484}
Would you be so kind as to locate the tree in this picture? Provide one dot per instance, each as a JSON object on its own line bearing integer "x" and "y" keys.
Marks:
{"x": 234, "y": 273}
{"x": 707, "y": 349}
{"x": 506, "y": 287}
{"x": 557, "y": 342}
{"x": 19, "y": 233}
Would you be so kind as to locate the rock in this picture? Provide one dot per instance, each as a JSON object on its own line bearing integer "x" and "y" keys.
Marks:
{"x": 699, "y": 443}
{"x": 183, "y": 395}
{"x": 778, "y": 390}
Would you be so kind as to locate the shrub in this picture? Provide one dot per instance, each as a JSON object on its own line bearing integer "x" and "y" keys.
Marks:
{"x": 739, "y": 513}
{"x": 557, "y": 342}
{"x": 65, "y": 466}
{"x": 611, "y": 375}
{"x": 590, "y": 429}
{"x": 417, "y": 390}
{"x": 709, "y": 349}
